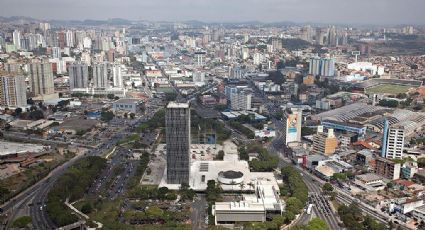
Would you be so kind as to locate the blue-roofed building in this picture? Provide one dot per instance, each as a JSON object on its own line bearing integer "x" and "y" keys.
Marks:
{"x": 354, "y": 128}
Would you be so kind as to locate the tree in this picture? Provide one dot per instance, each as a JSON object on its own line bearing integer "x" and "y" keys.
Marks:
{"x": 18, "y": 111}
{"x": 106, "y": 116}
{"x": 86, "y": 208}
{"x": 220, "y": 155}
{"x": 327, "y": 187}
{"x": 110, "y": 96}
{"x": 294, "y": 205}
{"x": 317, "y": 224}
{"x": 132, "y": 115}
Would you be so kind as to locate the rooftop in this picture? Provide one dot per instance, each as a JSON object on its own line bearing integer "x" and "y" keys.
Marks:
{"x": 127, "y": 101}
{"x": 176, "y": 105}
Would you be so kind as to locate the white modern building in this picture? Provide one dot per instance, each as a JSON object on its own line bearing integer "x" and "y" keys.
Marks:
{"x": 395, "y": 143}
{"x": 116, "y": 72}
{"x": 126, "y": 104}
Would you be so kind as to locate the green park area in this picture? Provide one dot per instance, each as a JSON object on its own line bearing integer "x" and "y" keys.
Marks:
{"x": 388, "y": 89}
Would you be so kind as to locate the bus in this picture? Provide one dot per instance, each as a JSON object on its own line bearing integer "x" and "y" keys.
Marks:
{"x": 310, "y": 206}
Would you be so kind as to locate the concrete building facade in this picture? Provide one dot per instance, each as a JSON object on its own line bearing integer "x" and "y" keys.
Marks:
{"x": 394, "y": 145}
{"x": 78, "y": 75}
{"x": 177, "y": 123}
{"x": 41, "y": 78}
{"x": 13, "y": 91}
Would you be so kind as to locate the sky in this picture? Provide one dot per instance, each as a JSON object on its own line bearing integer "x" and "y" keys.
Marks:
{"x": 310, "y": 11}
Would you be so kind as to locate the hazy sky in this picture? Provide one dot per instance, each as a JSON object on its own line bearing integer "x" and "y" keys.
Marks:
{"x": 320, "y": 11}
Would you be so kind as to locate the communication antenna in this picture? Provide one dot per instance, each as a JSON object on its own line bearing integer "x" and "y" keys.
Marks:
{"x": 355, "y": 53}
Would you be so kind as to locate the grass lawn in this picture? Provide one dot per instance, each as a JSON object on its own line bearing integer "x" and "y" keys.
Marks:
{"x": 388, "y": 89}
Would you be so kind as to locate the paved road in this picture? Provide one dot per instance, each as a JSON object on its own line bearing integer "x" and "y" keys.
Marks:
{"x": 35, "y": 197}
{"x": 199, "y": 213}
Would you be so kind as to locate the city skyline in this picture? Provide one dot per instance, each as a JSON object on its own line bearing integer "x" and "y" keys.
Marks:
{"x": 376, "y": 12}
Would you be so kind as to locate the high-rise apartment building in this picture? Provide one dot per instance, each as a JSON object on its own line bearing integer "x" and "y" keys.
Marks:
{"x": 322, "y": 66}
{"x": 17, "y": 39}
{"x": 276, "y": 44}
{"x": 56, "y": 52}
{"x": 100, "y": 75}
{"x": 385, "y": 138}
{"x": 69, "y": 38}
{"x": 393, "y": 144}
{"x": 41, "y": 78}
{"x": 241, "y": 100}
{"x": 324, "y": 143}
{"x": 177, "y": 125}
{"x": 13, "y": 91}
{"x": 117, "y": 75}
{"x": 78, "y": 75}
{"x": 200, "y": 58}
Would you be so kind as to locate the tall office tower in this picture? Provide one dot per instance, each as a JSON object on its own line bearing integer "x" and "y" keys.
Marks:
{"x": 41, "y": 78}
{"x": 322, "y": 66}
{"x": 394, "y": 144}
{"x": 293, "y": 126}
{"x": 200, "y": 58}
{"x": 13, "y": 91}
{"x": 17, "y": 39}
{"x": 384, "y": 138}
{"x": 324, "y": 143}
{"x": 56, "y": 52}
{"x": 116, "y": 75}
{"x": 177, "y": 126}
{"x": 100, "y": 75}
{"x": 78, "y": 75}
{"x": 69, "y": 38}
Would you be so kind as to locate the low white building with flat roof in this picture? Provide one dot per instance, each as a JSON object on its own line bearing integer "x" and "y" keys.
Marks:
{"x": 242, "y": 211}
{"x": 126, "y": 104}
